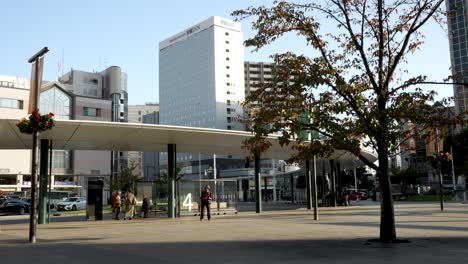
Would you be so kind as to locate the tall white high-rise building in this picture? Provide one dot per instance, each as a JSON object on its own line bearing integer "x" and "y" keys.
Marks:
{"x": 201, "y": 76}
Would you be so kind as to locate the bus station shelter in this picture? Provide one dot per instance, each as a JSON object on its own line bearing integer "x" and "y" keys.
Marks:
{"x": 99, "y": 135}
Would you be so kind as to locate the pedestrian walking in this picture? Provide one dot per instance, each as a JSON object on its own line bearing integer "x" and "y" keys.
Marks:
{"x": 206, "y": 198}
{"x": 130, "y": 206}
{"x": 117, "y": 205}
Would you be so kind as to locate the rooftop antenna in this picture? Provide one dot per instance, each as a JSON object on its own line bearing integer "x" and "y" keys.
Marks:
{"x": 63, "y": 60}
{"x": 61, "y": 65}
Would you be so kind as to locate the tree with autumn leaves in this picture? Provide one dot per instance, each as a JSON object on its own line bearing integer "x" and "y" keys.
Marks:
{"x": 353, "y": 89}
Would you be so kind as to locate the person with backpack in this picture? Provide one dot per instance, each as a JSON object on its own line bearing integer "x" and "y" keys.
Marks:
{"x": 117, "y": 205}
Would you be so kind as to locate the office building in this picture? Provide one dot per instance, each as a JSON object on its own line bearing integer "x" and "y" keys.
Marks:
{"x": 458, "y": 37}
{"x": 109, "y": 86}
{"x": 15, "y": 165}
{"x": 136, "y": 114}
{"x": 151, "y": 159}
{"x": 76, "y": 95}
{"x": 201, "y": 76}
{"x": 201, "y": 79}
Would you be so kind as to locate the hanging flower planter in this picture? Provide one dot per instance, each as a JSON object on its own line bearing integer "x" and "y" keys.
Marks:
{"x": 37, "y": 122}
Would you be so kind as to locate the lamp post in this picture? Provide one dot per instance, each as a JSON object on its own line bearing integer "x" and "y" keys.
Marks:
{"x": 36, "y": 60}
{"x": 439, "y": 169}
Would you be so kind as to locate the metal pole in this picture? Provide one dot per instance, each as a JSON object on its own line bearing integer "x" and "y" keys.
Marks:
{"x": 453, "y": 171}
{"x": 33, "y": 211}
{"x": 35, "y": 144}
{"x": 355, "y": 177}
{"x": 274, "y": 179}
{"x": 258, "y": 191}
{"x": 43, "y": 181}
{"x": 308, "y": 183}
{"x": 215, "y": 176}
{"x": 333, "y": 180}
{"x": 171, "y": 152}
{"x": 292, "y": 189}
{"x": 439, "y": 170}
{"x": 199, "y": 174}
{"x": 314, "y": 187}
{"x": 49, "y": 181}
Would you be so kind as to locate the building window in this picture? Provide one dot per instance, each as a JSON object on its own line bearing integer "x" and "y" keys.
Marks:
{"x": 11, "y": 103}
{"x": 139, "y": 119}
{"x": 61, "y": 159}
{"x": 228, "y": 102}
{"x": 139, "y": 112}
{"x": 227, "y": 58}
{"x": 227, "y": 75}
{"x": 227, "y": 41}
{"x": 229, "y": 127}
{"x": 228, "y": 92}
{"x": 121, "y": 101}
{"x": 228, "y": 84}
{"x": 226, "y": 33}
{"x": 121, "y": 114}
{"x": 229, "y": 119}
{"x": 227, "y": 50}
{"x": 91, "y": 111}
{"x": 227, "y": 67}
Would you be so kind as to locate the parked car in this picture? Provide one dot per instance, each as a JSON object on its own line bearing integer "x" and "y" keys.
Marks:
{"x": 358, "y": 196}
{"x": 73, "y": 204}
{"x": 14, "y": 206}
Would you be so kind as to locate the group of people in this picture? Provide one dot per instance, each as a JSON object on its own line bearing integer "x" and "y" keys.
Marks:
{"x": 116, "y": 201}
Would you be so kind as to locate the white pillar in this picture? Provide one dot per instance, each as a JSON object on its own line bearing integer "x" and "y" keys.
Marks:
{"x": 19, "y": 182}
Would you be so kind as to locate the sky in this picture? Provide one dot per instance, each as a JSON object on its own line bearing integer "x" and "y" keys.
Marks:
{"x": 92, "y": 35}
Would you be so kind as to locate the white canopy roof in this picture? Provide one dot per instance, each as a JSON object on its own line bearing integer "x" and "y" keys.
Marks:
{"x": 99, "y": 135}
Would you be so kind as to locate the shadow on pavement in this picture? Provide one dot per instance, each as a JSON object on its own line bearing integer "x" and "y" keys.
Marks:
{"x": 428, "y": 250}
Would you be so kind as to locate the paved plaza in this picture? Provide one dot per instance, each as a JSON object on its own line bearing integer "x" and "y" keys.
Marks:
{"x": 286, "y": 236}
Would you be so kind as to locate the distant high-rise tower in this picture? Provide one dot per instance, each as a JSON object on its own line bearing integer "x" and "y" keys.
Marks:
{"x": 458, "y": 36}
{"x": 201, "y": 76}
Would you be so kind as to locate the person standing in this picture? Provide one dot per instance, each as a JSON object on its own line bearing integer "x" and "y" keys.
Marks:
{"x": 145, "y": 206}
{"x": 130, "y": 206}
{"x": 112, "y": 203}
{"x": 206, "y": 198}
{"x": 117, "y": 205}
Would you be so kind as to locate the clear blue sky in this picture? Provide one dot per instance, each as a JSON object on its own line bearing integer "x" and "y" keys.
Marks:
{"x": 94, "y": 34}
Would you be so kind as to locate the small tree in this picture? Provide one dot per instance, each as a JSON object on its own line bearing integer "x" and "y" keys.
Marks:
{"x": 126, "y": 180}
{"x": 353, "y": 87}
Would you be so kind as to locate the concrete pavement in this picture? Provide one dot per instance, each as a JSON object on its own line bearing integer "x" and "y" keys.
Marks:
{"x": 340, "y": 236}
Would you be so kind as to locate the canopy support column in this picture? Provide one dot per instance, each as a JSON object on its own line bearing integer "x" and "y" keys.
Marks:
{"x": 258, "y": 191}
{"x": 171, "y": 174}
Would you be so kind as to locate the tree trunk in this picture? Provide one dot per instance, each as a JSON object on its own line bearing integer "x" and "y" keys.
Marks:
{"x": 387, "y": 216}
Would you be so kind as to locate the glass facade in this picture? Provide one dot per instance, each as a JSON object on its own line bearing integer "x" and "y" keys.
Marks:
{"x": 56, "y": 101}
{"x": 458, "y": 24}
